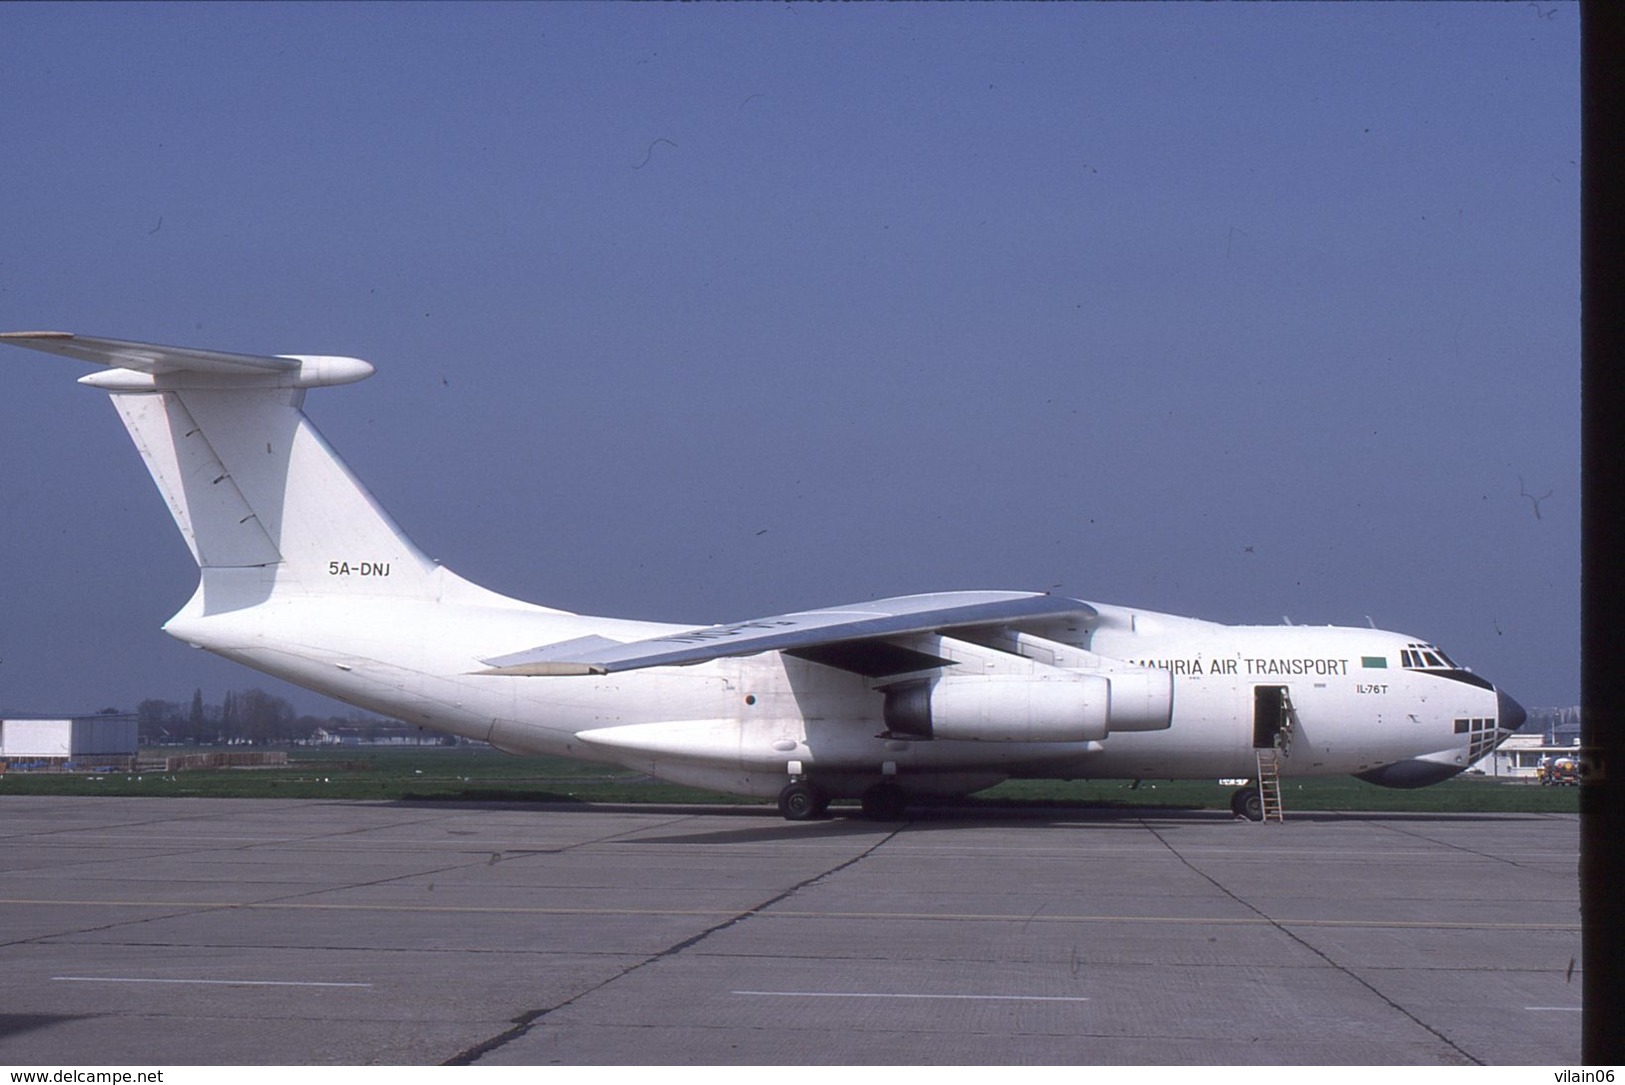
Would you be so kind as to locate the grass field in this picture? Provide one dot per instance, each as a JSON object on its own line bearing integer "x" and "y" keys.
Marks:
{"x": 476, "y": 773}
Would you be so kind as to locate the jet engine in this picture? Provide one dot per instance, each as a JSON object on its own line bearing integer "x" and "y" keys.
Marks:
{"x": 1057, "y": 707}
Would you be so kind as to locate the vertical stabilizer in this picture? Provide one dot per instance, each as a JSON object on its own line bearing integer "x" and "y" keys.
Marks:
{"x": 253, "y": 485}
{"x": 264, "y": 503}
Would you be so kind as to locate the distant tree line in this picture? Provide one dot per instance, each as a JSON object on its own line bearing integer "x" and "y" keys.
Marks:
{"x": 249, "y": 715}
{"x": 1550, "y": 721}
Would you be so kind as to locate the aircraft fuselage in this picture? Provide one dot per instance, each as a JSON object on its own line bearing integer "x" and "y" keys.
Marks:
{"x": 1353, "y": 704}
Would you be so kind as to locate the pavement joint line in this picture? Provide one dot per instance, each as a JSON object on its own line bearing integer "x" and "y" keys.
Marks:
{"x": 291, "y": 900}
{"x": 522, "y": 1024}
{"x": 1282, "y": 926}
{"x": 908, "y": 995}
{"x": 126, "y": 826}
{"x": 203, "y": 982}
{"x": 1475, "y": 852}
{"x": 483, "y": 858}
{"x": 1437, "y": 936}
{"x": 471, "y": 859}
{"x": 760, "y": 912}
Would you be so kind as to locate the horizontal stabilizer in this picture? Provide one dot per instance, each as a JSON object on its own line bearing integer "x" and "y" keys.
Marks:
{"x": 797, "y": 632}
{"x": 162, "y": 365}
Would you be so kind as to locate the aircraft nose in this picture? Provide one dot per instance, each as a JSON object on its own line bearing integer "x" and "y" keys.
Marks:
{"x": 1509, "y": 713}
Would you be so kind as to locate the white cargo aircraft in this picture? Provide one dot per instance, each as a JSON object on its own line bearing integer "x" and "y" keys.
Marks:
{"x": 304, "y": 577}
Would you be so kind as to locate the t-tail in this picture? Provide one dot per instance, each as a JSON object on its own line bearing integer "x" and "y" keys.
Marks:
{"x": 266, "y": 506}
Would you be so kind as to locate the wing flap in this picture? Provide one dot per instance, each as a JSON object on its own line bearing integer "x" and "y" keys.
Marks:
{"x": 808, "y": 634}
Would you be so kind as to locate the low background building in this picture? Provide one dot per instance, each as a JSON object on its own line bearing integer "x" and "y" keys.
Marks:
{"x": 1519, "y": 757}
{"x": 66, "y": 743}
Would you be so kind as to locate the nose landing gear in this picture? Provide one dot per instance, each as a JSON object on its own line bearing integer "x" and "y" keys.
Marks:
{"x": 1246, "y": 803}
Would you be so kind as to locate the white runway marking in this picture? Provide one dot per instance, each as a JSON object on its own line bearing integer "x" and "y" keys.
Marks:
{"x": 878, "y": 994}
{"x": 1555, "y": 1009}
{"x": 981, "y": 917}
{"x": 214, "y": 983}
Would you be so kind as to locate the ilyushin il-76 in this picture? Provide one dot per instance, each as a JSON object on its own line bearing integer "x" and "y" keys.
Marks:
{"x": 303, "y": 576}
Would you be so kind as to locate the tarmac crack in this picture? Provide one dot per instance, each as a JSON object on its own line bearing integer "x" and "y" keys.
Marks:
{"x": 122, "y": 824}
{"x": 522, "y": 1024}
{"x": 1389, "y": 1002}
{"x": 1475, "y": 852}
{"x": 472, "y": 858}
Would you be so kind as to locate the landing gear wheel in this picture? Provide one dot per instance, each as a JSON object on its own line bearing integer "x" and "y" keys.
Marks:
{"x": 884, "y": 802}
{"x": 1245, "y": 803}
{"x": 801, "y": 801}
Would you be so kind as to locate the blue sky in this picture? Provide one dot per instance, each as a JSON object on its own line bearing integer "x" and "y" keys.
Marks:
{"x": 700, "y": 313}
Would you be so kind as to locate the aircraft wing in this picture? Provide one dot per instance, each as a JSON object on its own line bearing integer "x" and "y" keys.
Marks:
{"x": 850, "y": 637}
{"x": 146, "y": 357}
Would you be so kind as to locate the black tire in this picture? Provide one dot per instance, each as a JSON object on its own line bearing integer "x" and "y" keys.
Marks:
{"x": 884, "y": 802}
{"x": 801, "y": 801}
{"x": 1246, "y": 803}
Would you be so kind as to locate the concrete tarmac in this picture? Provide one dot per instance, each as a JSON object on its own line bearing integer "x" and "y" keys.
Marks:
{"x": 178, "y": 932}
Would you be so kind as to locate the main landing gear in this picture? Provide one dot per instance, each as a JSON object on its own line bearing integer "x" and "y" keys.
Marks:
{"x": 884, "y": 802}
{"x": 802, "y": 801}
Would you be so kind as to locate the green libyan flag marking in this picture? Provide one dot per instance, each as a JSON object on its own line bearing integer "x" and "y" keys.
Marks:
{"x": 1374, "y": 662}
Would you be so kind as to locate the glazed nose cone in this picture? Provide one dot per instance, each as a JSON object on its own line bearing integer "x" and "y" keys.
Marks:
{"x": 1509, "y": 713}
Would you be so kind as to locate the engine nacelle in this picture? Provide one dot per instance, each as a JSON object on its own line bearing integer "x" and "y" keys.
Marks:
{"x": 1142, "y": 700}
{"x": 1059, "y": 707}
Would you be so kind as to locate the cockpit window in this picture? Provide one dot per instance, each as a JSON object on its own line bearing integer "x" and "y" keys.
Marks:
{"x": 1429, "y": 660}
{"x": 1425, "y": 657}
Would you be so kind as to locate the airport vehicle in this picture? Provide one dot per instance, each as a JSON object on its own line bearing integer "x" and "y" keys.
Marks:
{"x": 303, "y": 576}
{"x": 1558, "y": 772}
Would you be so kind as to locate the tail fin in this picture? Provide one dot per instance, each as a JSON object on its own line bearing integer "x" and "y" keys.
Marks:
{"x": 265, "y": 504}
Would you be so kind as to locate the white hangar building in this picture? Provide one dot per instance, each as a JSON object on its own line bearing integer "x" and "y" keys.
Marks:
{"x": 29, "y": 741}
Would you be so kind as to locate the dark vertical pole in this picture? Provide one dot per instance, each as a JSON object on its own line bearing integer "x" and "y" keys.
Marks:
{"x": 1602, "y": 693}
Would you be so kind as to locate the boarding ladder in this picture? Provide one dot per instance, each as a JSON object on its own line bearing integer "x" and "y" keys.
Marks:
{"x": 1269, "y": 783}
{"x": 1269, "y": 764}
